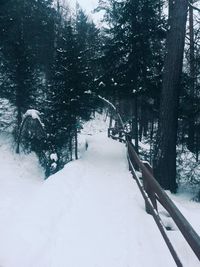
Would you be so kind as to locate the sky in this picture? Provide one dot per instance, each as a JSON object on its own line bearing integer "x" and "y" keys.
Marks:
{"x": 89, "y": 6}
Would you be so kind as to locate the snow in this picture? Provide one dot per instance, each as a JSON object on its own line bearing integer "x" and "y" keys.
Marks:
{"x": 102, "y": 84}
{"x": 54, "y": 165}
{"x": 88, "y": 92}
{"x": 191, "y": 211}
{"x": 108, "y": 102}
{"x": 6, "y": 115}
{"x": 54, "y": 157}
{"x": 114, "y": 108}
{"x": 34, "y": 114}
{"x": 188, "y": 169}
{"x": 90, "y": 214}
{"x": 97, "y": 125}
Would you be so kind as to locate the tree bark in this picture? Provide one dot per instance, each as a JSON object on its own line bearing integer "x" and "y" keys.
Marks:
{"x": 76, "y": 143}
{"x": 135, "y": 124}
{"x": 165, "y": 154}
{"x": 191, "y": 130}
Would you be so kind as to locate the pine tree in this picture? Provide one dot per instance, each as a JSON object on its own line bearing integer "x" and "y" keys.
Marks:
{"x": 165, "y": 156}
{"x": 134, "y": 45}
{"x": 133, "y": 54}
{"x": 20, "y": 24}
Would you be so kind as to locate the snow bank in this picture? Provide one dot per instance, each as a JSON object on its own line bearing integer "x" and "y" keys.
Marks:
{"x": 89, "y": 214}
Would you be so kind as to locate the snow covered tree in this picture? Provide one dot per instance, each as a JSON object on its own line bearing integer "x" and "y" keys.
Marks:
{"x": 134, "y": 36}
{"x": 133, "y": 54}
{"x": 20, "y": 23}
{"x": 69, "y": 84}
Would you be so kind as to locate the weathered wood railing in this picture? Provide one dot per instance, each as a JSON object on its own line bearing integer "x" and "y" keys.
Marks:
{"x": 153, "y": 193}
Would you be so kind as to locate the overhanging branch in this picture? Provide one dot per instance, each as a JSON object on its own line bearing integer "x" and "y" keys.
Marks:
{"x": 194, "y": 7}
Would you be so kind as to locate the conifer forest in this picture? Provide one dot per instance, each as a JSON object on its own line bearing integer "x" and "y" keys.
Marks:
{"x": 144, "y": 57}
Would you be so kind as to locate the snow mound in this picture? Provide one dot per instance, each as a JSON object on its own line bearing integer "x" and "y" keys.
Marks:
{"x": 34, "y": 114}
{"x": 89, "y": 214}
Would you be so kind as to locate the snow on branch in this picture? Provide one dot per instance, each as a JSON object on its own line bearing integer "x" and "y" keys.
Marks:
{"x": 194, "y": 7}
{"x": 34, "y": 114}
{"x": 114, "y": 108}
{"x": 108, "y": 102}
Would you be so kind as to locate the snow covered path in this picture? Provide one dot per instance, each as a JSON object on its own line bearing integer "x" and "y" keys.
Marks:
{"x": 90, "y": 214}
{"x": 107, "y": 225}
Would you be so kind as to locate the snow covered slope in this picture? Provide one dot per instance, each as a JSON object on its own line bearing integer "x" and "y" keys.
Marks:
{"x": 90, "y": 214}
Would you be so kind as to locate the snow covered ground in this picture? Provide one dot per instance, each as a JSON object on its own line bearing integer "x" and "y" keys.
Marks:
{"x": 90, "y": 214}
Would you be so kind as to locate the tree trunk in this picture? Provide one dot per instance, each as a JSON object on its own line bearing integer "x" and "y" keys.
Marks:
{"x": 111, "y": 119}
{"x": 135, "y": 123}
{"x": 191, "y": 130}
{"x": 170, "y": 10}
{"x": 70, "y": 144}
{"x": 76, "y": 144}
{"x": 165, "y": 154}
{"x": 20, "y": 78}
{"x": 151, "y": 139}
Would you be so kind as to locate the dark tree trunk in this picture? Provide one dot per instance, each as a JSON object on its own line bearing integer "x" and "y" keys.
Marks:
{"x": 71, "y": 148}
{"x": 197, "y": 146}
{"x": 135, "y": 123}
{"x": 151, "y": 139}
{"x": 165, "y": 154}
{"x": 20, "y": 70}
{"x": 19, "y": 114}
{"x": 111, "y": 119}
{"x": 170, "y": 10}
{"x": 76, "y": 143}
{"x": 191, "y": 131}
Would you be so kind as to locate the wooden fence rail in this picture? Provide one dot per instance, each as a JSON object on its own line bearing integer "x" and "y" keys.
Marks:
{"x": 152, "y": 192}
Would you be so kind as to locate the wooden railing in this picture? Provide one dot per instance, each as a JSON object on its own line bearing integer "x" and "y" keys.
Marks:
{"x": 153, "y": 193}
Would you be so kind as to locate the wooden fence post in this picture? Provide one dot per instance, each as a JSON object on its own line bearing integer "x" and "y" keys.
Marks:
{"x": 147, "y": 188}
{"x": 108, "y": 132}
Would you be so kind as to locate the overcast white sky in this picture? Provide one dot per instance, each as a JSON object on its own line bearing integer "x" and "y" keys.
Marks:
{"x": 88, "y": 6}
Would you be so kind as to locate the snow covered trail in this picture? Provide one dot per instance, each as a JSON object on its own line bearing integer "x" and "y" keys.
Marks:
{"x": 90, "y": 214}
